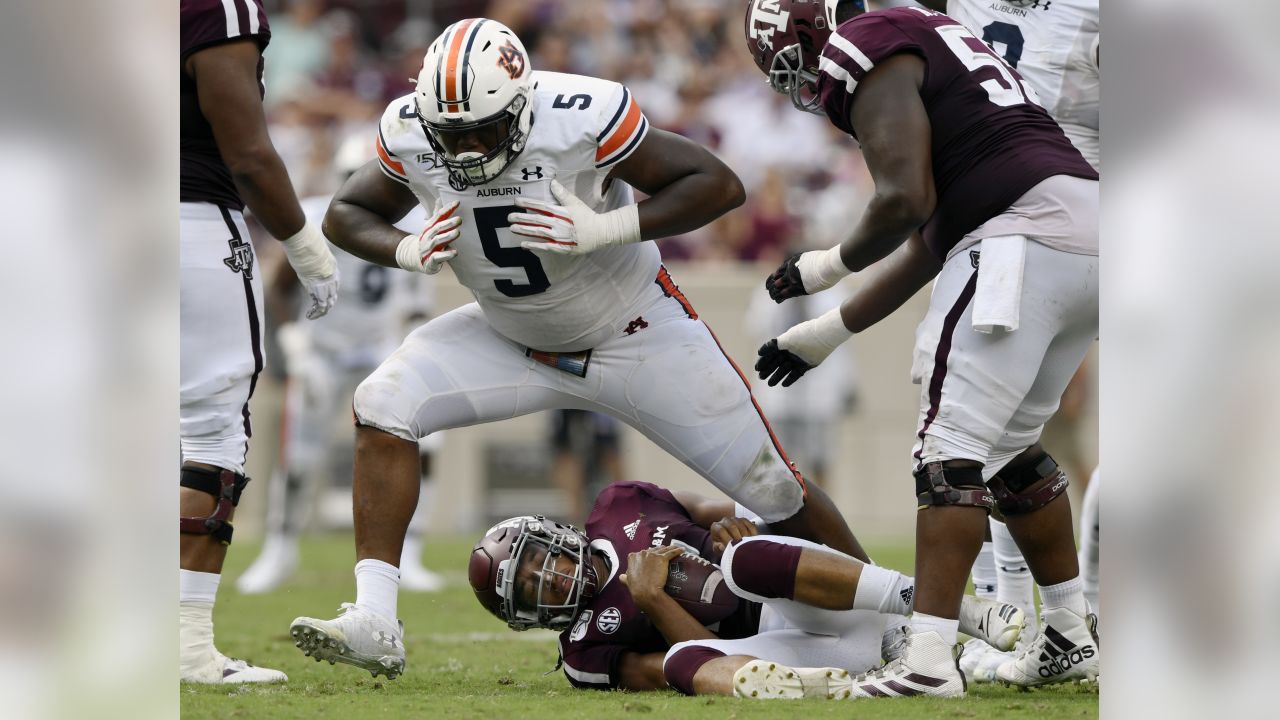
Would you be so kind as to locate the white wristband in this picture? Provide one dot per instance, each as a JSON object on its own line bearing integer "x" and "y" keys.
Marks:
{"x": 308, "y": 253}
{"x": 407, "y": 254}
{"x": 815, "y": 339}
{"x": 821, "y": 269}
{"x": 620, "y": 226}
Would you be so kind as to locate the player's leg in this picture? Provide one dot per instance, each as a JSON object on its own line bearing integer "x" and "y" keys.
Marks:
{"x": 673, "y": 382}
{"x": 452, "y": 372}
{"x": 221, "y": 356}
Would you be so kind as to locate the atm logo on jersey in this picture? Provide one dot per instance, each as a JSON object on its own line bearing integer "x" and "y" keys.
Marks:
{"x": 609, "y": 621}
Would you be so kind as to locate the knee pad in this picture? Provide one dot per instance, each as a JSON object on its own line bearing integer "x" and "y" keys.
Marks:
{"x": 1029, "y": 488}
{"x": 225, "y": 486}
{"x": 939, "y": 485}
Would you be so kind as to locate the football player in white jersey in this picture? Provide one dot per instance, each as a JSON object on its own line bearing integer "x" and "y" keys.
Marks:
{"x": 1055, "y": 46}
{"x": 324, "y": 362}
{"x": 528, "y": 176}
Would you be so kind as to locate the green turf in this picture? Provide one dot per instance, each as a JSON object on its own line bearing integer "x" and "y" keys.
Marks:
{"x": 465, "y": 664}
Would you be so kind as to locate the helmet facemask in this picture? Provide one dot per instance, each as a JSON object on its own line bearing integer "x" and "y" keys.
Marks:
{"x": 542, "y": 544}
{"x": 473, "y": 168}
{"x": 789, "y": 76}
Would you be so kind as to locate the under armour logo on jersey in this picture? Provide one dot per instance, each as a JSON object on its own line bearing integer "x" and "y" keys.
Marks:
{"x": 534, "y": 174}
{"x": 241, "y": 258}
{"x": 634, "y": 325}
{"x": 630, "y": 529}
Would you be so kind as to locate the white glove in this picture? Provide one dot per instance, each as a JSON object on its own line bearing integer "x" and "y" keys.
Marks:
{"x": 573, "y": 228}
{"x": 428, "y": 252}
{"x": 310, "y": 257}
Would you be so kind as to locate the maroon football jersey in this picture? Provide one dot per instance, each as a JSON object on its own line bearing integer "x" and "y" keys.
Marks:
{"x": 628, "y": 517}
{"x": 205, "y": 177}
{"x": 991, "y": 141}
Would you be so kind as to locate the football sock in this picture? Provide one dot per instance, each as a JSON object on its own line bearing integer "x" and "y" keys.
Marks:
{"x": 984, "y": 572}
{"x": 197, "y": 586}
{"x": 1014, "y": 583}
{"x": 377, "y": 585}
{"x": 1069, "y": 595}
{"x": 882, "y": 590}
{"x": 921, "y": 623}
{"x": 1089, "y": 543}
{"x": 196, "y": 592}
{"x": 683, "y": 664}
{"x": 762, "y": 567}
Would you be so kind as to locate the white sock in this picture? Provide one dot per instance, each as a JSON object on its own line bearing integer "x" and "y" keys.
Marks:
{"x": 885, "y": 591}
{"x": 377, "y": 586}
{"x": 197, "y": 586}
{"x": 984, "y": 572}
{"x": 921, "y": 623}
{"x": 1014, "y": 583}
{"x": 195, "y": 638}
{"x": 1069, "y": 595}
{"x": 1089, "y": 543}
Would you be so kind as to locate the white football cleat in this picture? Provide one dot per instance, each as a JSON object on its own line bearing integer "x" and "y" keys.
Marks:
{"x": 927, "y": 667}
{"x": 1066, "y": 649}
{"x": 998, "y": 624}
{"x": 764, "y": 680}
{"x": 357, "y": 637}
{"x": 894, "y": 641}
{"x": 973, "y": 655}
{"x": 274, "y": 565}
{"x": 416, "y": 578}
{"x": 222, "y": 670}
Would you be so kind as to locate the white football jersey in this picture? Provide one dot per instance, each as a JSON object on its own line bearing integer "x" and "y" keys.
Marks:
{"x": 1054, "y": 46}
{"x": 582, "y": 127}
{"x": 368, "y": 320}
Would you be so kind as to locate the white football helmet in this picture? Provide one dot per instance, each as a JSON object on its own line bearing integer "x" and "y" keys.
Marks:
{"x": 476, "y": 86}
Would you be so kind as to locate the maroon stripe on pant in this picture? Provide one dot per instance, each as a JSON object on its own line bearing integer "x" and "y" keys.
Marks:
{"x": 943, "y": 352}
{"x": 255, "y": 332}
{"x": 680, "y": 668}
{"x": 765, "y": 568}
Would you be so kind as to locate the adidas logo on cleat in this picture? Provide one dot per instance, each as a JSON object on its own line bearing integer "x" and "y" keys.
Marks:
{"x": 1063, "y": 663}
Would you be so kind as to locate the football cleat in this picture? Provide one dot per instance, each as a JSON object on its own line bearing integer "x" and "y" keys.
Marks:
{"x": 274, "y": 565}
{"x": 894, "y": 640}
{"x": 357, "y": 637}
{"x": 764, "y": 680}
{"x": 927, "y": 667}
{"x": 1066, "y": 649}
{"x": 998, "y": 624}
{"x": 222, "y": 670}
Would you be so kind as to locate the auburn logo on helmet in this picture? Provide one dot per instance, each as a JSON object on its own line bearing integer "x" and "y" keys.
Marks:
{"x": 511, "y": 60}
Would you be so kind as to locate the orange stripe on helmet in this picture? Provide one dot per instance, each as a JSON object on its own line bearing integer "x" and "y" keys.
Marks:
{"x": 623, "y": 132}
{"x": 451, "y": 90}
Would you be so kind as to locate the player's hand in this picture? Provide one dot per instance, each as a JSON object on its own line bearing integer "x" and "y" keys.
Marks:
{"x": 780, "y": 366}
{"x": 806, "y": 273}
{"x": 797, "y": 351}
{"x": 429, "y": 251}
{"x": 310, "y": 257}
{"x": 729, "y": 530}
{"x": 646, "y": 574}
{"x": 570, "y": 227}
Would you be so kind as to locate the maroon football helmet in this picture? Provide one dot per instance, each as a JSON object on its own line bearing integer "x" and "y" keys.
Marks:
{"x": 512, "y": 543}
{"x": 786, "y": 37}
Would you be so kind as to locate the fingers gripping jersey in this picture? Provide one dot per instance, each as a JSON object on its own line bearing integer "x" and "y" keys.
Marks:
{"x": 582, "y": 127}
{"x": 1053, "y": 45}
{"x": 628, "y": 517}
{"x": 991, "y": 141}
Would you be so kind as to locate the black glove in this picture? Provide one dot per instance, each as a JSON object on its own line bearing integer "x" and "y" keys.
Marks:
{"x": 777, "y": 365}
{"x": 785, "y": 282}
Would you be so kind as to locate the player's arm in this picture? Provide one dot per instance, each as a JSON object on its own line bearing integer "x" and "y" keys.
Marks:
{"x": 720, "y": 516}
{"x": 641, "y": 671}
{"x": 362, "y": 214}
{"x": 890, "y": 283}
{"x": 227, "y": 85}
{"x": 645, "y": 578}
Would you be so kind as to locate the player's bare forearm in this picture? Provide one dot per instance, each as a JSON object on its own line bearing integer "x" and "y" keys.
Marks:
{"x": 893, "y": 127}
{"x": 360, "y": 218}
{"x": 687, "y": 186}
{"x": 230, "y": 100}
{"x": 674, "y": 622}
{"x": 890, "y": 283}
{"x": 704, "y": 510}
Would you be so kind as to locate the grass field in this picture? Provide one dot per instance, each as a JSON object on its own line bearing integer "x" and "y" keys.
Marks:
{"x": 463, "y": 663}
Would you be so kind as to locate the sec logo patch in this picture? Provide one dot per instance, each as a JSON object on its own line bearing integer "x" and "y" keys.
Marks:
{"x": 609, "y": 621}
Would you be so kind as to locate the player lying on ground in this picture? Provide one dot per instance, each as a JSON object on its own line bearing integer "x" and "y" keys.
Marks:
{"x": 529, "y": 178}
{"x": 641, "y": 607}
